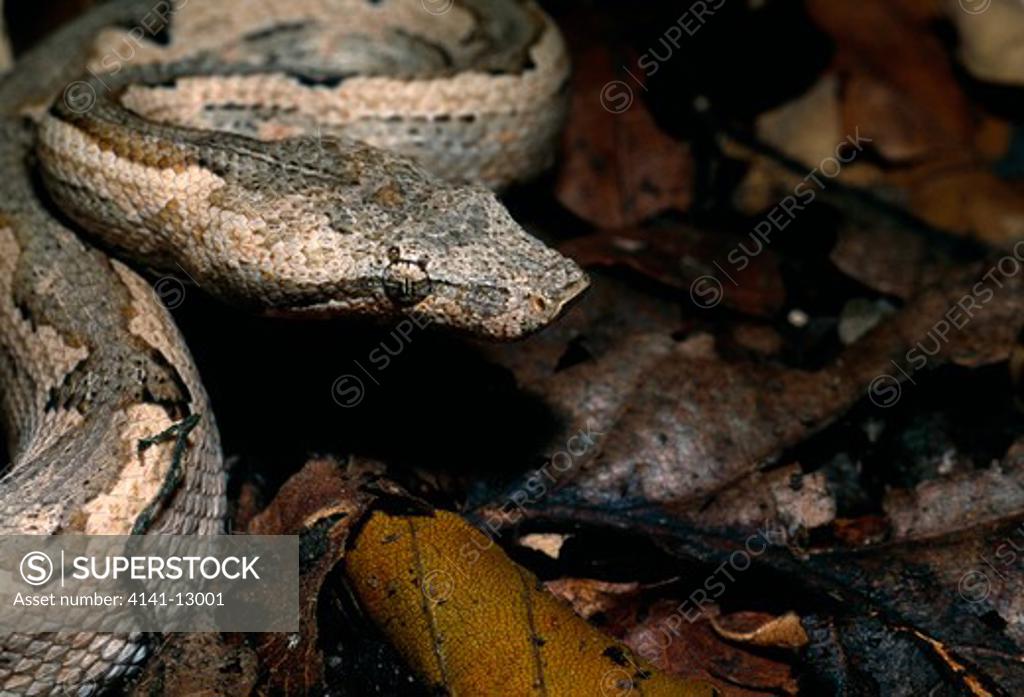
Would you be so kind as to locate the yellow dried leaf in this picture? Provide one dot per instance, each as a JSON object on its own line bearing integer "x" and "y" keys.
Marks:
{"x": 467, "y": 618}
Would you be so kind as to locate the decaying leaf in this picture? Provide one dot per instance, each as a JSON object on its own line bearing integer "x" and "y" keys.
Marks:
{"x": 665, "y": 446}
{"x": 784, "y": 498}
{"x": 779, "y": 632}
{"x": 203, "y": 665}
{"x": 677, "y": 256}
{"x": 586, "y": 367}
{"x": 947, "y": 611}
{"x": 890, "y": 261}
{"x": 472, "y": 622}
{"x": 937, "y": 507}
{"x": 679, "y": 423}
{"x": 617, "y": 168}
{"x": 320, "y": 504}
{"x": 661, "y": 449}
{"x": 588, "y": 596}
{"x": 664, "y": 635}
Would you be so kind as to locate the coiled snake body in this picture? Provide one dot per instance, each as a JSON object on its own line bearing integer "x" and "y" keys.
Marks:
{"x": 297, "y": 157}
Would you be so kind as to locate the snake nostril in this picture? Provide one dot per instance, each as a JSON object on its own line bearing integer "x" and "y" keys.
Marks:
{"x": 538, "y": 303}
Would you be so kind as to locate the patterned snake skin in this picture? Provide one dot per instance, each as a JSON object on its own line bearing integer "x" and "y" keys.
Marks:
{"x": 301, "y": 157}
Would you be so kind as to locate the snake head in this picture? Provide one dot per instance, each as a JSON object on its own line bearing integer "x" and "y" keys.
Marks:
{"x": 464, "y": 263}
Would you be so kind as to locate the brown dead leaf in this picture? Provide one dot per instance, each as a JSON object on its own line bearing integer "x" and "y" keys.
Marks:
{"x": 861, "y": 532}
{"x": 202, "y": 665}
{"x": 783, "y": 498}
{"x": 754, "y": 629}
{"x": 890, "y": 261}
{"x": 586, "y": 366}
{"x": 617, "y": 168}
{"x": 686, "y": 423}
{"x": 662, "y": 449}
{"x": 677, "y": 255}
{"x": 807, "y": 128}
{"x": 663, "y": 635}
{"x": 893, "y": 45}
{"x": 320, "y": 504}
{"x": 902, "y": 130}
{"x": 937, "y": 507}
{"x": 588, "y": 596}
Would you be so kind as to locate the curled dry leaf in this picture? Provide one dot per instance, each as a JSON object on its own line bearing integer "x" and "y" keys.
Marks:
{"x": 783, "y": 632}
{"x": 472, "y": 622}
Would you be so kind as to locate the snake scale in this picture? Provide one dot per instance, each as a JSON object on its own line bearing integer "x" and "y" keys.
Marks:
{"x": 300, "y": 157}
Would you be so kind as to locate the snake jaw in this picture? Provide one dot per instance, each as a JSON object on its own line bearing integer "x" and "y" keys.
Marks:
{"x": 551, "y": 295}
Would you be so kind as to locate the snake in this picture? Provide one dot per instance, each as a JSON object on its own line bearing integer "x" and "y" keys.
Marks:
{"x": 307, "y": 158}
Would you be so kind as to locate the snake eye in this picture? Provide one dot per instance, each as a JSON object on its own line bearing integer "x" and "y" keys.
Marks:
{"x": 406, "y": 282}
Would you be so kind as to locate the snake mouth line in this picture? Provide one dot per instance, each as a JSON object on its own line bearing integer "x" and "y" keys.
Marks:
{"x": 573, "y": 294}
